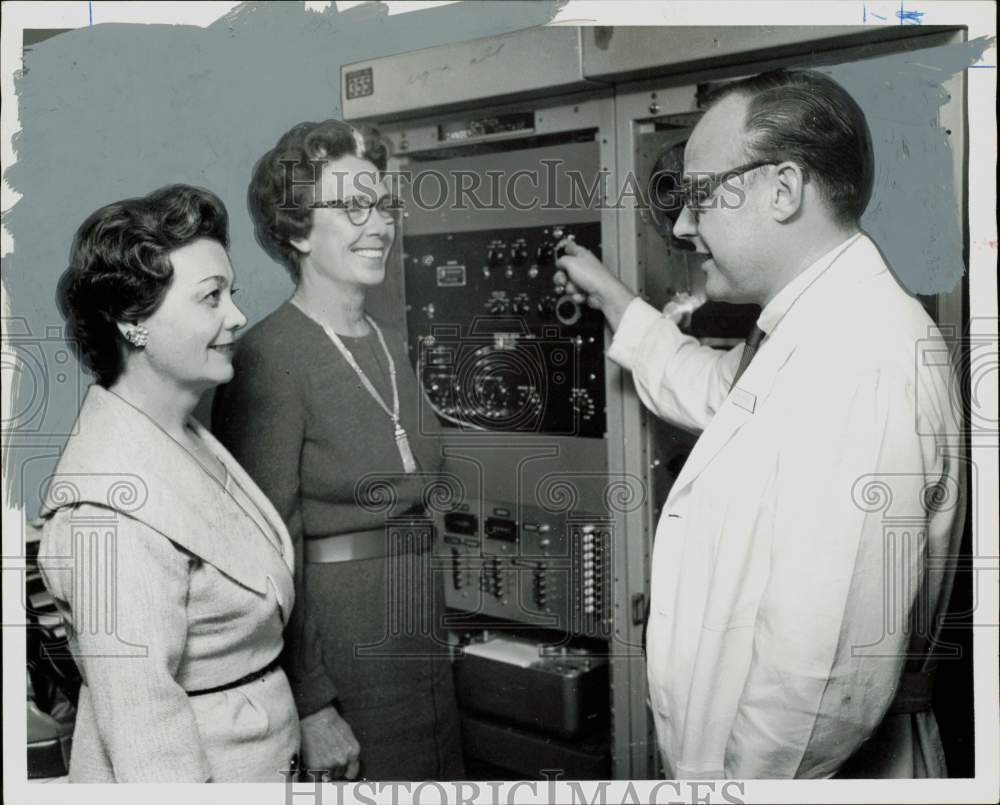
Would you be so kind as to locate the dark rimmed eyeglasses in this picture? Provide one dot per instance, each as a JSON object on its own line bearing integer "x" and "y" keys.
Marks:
{"x": 697, "y": 191}
{"x": 359, "y": 208}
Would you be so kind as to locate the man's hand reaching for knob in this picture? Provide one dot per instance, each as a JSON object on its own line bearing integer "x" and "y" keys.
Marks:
{"x": 585, "y": 279}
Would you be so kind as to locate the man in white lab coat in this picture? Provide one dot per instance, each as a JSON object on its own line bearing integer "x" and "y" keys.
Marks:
{"x": 805, "y": 552}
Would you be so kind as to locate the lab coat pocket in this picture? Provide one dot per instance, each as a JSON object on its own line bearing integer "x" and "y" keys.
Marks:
{"x": 730, "y": 607}
{"x": 736, "y": 587}
{"x": 741, "y": 560}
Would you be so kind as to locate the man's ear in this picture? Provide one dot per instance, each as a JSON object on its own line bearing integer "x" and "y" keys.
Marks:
{"x": 788, "y": 190}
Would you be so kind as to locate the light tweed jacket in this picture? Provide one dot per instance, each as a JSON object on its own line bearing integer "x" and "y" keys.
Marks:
{"x": 167, "y": 584}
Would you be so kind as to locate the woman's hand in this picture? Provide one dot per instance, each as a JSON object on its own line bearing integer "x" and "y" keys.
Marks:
{"x": 328, "y": 743}
{"x": 585, "y": 279}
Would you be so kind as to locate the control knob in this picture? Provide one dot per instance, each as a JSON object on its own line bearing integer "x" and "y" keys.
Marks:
{"x": 547, "y": 306}
{"x": 568, "y": 311}
{"x": 546, "y": 254}
{"x": 498, "y": 305}
{"x": 521, "y": 304}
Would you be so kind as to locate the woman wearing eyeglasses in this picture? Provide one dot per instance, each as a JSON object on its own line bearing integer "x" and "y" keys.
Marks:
{"x": 324, "y": 398}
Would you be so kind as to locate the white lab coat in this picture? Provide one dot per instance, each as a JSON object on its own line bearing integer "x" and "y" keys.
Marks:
{"x": 791, "y": 556}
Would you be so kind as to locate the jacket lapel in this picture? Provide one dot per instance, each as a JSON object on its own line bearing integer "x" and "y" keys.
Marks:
{"x": 120, "y": 460}
{"x": 818, "y": 309}
{"x": 258, "y": 498}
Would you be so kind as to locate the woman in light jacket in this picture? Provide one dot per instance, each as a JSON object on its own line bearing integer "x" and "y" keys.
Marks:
{"x": 173, "y": 572}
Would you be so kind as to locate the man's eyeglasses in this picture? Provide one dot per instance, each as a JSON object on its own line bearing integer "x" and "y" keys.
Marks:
{"x": 698, "y": 191}
{"x": 359, "y": 208}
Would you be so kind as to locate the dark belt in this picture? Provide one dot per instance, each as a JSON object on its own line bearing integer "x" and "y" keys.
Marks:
{"x": 243, "y": 680}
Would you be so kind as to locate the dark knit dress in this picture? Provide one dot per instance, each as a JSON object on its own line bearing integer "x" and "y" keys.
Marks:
{"x": 366, "y": 632}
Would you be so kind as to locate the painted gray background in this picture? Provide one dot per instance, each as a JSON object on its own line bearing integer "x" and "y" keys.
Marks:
{"x": 114, "y": 111}
{"x": 913, "y": 215}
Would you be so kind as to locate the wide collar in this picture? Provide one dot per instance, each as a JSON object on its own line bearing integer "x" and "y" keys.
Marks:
{"x": 817, "y": 308}
{"x": 120, "y": 460}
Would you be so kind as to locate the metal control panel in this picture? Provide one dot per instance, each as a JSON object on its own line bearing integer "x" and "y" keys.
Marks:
{"x": 494, "y": 345}
{"x": 530, "y": 566}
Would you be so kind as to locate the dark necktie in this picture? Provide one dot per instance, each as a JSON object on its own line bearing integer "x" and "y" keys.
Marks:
{"x": 752, "y": 343}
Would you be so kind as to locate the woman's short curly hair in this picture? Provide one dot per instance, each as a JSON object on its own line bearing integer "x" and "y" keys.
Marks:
{"x": 120, "y": 268}
{"x": 285, "y": 179}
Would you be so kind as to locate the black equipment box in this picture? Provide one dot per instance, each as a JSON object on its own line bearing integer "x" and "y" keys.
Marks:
{"x": 560, "y": 692}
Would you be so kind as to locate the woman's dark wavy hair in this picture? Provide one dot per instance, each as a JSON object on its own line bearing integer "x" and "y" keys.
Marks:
{"x": 285, "y": 179}
{"x": 119, "y": 267}
{"x": 808, "y": 118}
